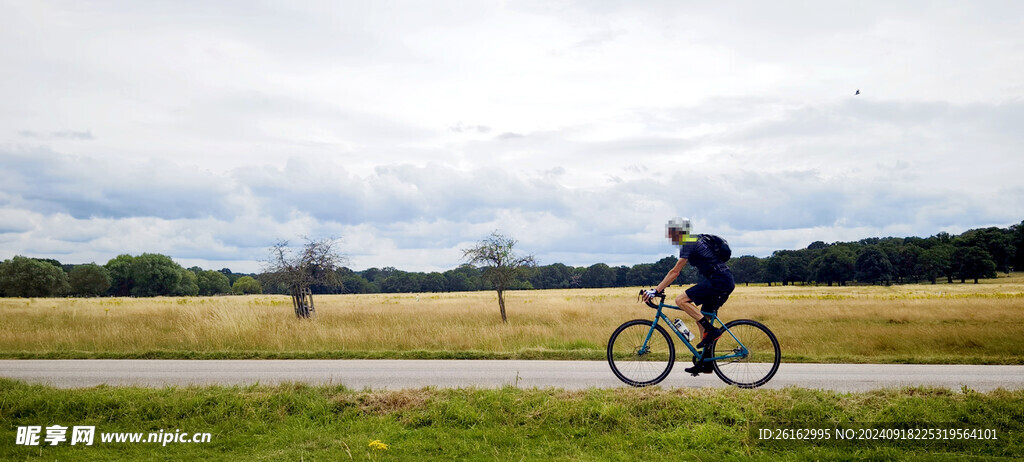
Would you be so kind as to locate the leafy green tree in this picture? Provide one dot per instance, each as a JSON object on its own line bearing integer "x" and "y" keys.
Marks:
{"x": 401, "y": 282}
{"x": 248, "y": 285}
{"x": 598, "y": 275}
{"x": 464, "y": 278}
{"x": 576, "y": 277}
{"x": 232, "y": 277}
{"x": 89, "y": 280}
{"x": 788, "y": 266}
{"x": 148, "y": 275}
{"x": 27, "y": 277}
{"x": 834, "y": 265}
{"x": 554, "y": 276}
{"x": 50, "y": 261}
{"x": 370, "y": 274}
{"x": 873, "y": 266}
{"x": 798, "y": 265}
{"x": 187, "y": 285}
{"x": 747, "y": 269}
{"x": 998, "y": 243}
{"x": 937, "y": 261}
{"x": 433, "y": 282}
{"x": 521, "y": 284}
{"x": 456, "y": 282}
{"x": 621, "y": 276}
{"x": 907, "y": 263}
{"x": 643, "y": 274}
{"x": 973, "y": 263}
{"x": 870, "y": 241}
{"x": 817, "y": 245}
{"x": 355, "y": 284}
{"x": 1017, "y": 242}
{"x": 272, "y": 285}
{"x": 212, "y": 282}
{"x": 891, "y": 247}
{"x": 385, "y": 273}
{"x": 154, "y": 274}
{"x": 502, "y": 266}
{"x": 924, "y": 244}
{"x": 775, "y": 268}
{"x": 120, "y": 270}
{"x": 334, "y": 284}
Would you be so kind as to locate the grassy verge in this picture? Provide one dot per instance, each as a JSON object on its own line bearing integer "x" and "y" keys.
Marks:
{"x": 297, "y": 422}
{"x": 943, "y": 323}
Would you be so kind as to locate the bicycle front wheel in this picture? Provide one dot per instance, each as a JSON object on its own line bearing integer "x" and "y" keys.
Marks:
{"x": 750, "y": 354}
{"x": 637, "y": 360}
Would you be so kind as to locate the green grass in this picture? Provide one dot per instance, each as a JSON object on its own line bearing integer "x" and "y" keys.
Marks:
{"x": 297, "y": 422}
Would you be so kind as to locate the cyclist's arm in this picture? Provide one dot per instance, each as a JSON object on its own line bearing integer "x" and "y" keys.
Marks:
{"x": 672, "y": 275}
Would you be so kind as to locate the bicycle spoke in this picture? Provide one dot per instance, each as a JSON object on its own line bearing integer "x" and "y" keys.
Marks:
{"x": 637, "y": 364}
{"x": 756, "y": 354}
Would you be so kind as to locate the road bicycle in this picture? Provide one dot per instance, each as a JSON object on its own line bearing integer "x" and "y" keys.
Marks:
{"x": 641, "y": 353}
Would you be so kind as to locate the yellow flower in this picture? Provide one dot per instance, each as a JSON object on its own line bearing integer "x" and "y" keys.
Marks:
{"x": 378, "y": 445}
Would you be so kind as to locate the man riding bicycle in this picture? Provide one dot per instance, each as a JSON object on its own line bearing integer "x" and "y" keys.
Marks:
{"x": 710, "y": 294}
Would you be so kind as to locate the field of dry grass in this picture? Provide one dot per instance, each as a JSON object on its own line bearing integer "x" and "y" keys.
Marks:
{"x": 944, "y": 323}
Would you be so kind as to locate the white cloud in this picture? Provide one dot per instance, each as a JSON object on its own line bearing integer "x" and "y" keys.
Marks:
{"x": 207, "y": 131}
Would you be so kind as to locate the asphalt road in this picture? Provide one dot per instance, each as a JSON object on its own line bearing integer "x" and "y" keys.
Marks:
{"x": 398, "y": 374}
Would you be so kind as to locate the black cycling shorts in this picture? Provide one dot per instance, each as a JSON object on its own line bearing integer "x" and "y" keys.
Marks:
{"x": 712, "y": 293}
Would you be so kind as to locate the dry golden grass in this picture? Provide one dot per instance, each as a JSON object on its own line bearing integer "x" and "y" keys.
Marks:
{"x": 957, "y": 323}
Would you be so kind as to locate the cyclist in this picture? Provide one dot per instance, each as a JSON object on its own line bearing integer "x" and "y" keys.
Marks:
{"x": 711, "y": 293}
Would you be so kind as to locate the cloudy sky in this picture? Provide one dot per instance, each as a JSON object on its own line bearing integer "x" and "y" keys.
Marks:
{"x": 209, "y": 130}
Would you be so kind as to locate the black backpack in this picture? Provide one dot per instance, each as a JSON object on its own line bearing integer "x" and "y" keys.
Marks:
{"x": 718, "y": 246}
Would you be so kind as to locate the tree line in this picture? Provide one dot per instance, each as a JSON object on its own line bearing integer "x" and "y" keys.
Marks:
{"x": 145, "y": 275}
{"x": 975, "y": 254}
{"x": 970, "y": 256}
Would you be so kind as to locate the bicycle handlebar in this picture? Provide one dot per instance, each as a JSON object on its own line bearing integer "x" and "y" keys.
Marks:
{"x": 649, "y": 302}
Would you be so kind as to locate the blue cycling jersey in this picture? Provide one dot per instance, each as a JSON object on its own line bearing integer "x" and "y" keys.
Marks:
{"x": 699, "y": 254}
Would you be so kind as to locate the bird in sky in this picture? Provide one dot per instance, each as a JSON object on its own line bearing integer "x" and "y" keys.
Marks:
{"x": 857, "y": 93}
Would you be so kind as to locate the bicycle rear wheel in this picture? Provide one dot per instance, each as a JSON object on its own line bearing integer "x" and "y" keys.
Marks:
{"x": 755, "y": 354}
{"x": 634, "y": 364}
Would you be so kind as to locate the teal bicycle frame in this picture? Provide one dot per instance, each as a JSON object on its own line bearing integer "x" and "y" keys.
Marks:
{"x": 742, "y": 353}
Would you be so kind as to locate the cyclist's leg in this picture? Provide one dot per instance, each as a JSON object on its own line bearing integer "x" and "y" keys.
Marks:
{"x": 716, "y": 292}
{"x": 714, "y": 303}
{"x": 700, "y": 294}
{"x": 684, "y": 302}
{"x": 710, "y": 304}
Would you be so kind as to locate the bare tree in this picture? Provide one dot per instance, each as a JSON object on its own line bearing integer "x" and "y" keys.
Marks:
{"x": 300, "y": 268}
{"x": 502, "y": 267}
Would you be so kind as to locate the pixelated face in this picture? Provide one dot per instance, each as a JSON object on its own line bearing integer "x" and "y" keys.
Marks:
{"x": 675, "y": 235}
